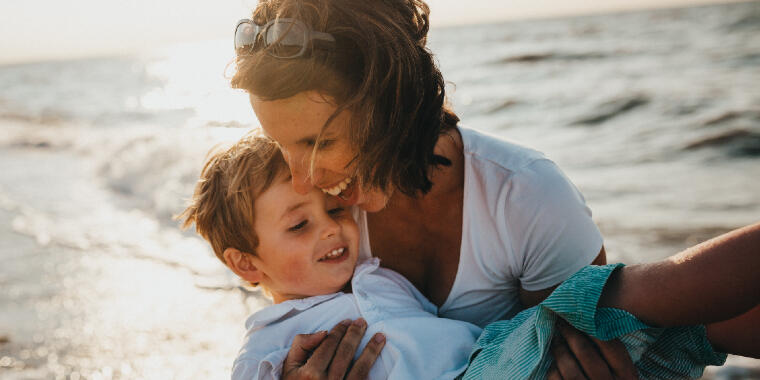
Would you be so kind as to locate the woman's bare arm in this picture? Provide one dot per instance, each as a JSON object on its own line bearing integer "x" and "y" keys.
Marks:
{"x": 740, "y": 335}
{"x": 715, "y": 283}
{"x": 710, "y": 282}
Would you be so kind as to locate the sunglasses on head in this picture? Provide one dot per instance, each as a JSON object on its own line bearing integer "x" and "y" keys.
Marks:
{"x": 281, "y": 37}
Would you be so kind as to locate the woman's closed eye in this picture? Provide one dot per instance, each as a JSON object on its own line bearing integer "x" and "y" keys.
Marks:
{"x": 298, "y": 226}
{"x": 324, "y": 143}
{"x": 337, "y": 211}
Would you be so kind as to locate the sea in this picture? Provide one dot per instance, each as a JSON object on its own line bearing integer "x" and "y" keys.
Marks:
{"x": 654, "y": 115}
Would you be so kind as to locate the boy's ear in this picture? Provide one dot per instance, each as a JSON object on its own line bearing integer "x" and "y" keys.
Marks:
{"x": 242, "y": 264}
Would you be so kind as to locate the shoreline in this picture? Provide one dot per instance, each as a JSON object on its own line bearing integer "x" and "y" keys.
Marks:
{"x": 73, "y": 310}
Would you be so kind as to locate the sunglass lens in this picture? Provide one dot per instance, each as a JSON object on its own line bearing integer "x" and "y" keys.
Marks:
{"x": 286, "y": 39}
{"x": 245, "y": 35}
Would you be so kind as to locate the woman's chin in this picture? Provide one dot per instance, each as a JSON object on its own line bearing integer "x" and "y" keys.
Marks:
{"x": 369, "y": 201}
{"x": 373, "y": 202}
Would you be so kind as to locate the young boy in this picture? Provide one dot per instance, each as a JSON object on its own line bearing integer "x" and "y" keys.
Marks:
{"x": 303, "y": 250}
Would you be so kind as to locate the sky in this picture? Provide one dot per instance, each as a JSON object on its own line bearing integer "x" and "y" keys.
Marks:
{"x": 37, "y": 30}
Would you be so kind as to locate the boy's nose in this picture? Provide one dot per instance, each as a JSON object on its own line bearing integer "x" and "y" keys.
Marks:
{"x": 331, "y": 229}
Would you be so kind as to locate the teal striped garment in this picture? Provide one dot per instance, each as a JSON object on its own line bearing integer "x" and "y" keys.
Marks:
{"x": 519, "y": 348}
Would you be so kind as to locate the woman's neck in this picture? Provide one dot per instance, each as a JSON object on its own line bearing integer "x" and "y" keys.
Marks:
{"x": 448, "y": 180}
{"x": 420, "y": 237}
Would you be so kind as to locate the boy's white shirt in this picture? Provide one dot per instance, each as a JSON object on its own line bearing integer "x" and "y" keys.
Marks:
{"x": 419, "y": 345}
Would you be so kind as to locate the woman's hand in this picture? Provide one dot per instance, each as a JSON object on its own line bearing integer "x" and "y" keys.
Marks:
{"x": 578, "y": 356}
{"x": 325, "y": 355}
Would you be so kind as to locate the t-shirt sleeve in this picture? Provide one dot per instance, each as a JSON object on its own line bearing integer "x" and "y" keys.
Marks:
{"x": 552, "y": 232}
{"x": 269, "y": 367}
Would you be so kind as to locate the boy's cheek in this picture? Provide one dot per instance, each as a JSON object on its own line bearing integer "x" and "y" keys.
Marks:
{"x": 351, "y": 233}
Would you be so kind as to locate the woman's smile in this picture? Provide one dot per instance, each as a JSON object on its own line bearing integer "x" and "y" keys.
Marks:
{"x": 338, "y": 188}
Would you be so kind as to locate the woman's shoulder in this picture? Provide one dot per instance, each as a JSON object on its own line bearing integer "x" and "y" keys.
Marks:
{"x": 497, "y": 151}
{"x": 501, "y": 171}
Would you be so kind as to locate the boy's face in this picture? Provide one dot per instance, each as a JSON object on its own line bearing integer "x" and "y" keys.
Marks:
{"x": 308, "y": 243}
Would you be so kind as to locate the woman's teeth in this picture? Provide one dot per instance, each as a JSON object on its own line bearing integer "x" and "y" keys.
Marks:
{"x": 337, "y": 189}
{"x": 333, "y": 254}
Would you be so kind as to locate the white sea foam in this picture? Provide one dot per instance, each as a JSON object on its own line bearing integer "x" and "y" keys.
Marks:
{"x": 121, "y": 193}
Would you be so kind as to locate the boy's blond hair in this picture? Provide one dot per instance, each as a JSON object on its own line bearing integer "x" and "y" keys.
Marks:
{"x": 222, "y": 206}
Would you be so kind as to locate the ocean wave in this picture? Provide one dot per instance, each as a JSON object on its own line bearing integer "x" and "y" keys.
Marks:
{"x": 550, "y": 56}
{"x": 156, "y": 171}
{"x": 500, "y": 106}
{"x": 152, "y": 169}
{"x": 26, "y": 135}
{"x": 751, "y": 116}
{"x": 750, "y": 20}
{"x": 114, "y": 193}
{"x": 611, "y": 109}
{"x": 153, "y": 173}
{"x": 46, "y": 117}
{"x": 686, "y": 235}
{"x": 735, "y": 142}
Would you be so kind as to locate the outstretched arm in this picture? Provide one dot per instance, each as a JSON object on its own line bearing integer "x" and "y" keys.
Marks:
{"x": 707, "y": 283}
{"x": 714, "y": 282}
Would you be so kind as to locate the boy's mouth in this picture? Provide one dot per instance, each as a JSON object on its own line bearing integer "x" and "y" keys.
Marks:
{"x": 335, "y": 255}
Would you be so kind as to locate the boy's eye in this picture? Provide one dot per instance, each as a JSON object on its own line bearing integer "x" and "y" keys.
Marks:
{"x": 298, "y": 226}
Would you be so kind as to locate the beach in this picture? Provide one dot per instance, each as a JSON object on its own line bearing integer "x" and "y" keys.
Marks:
{"x": 76, "y": 305}
{"x": 654, "y": 115}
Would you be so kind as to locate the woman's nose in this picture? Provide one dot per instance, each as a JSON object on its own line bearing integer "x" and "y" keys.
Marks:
{"x": 299, "y": 172}
{"x": 301, "y": 183}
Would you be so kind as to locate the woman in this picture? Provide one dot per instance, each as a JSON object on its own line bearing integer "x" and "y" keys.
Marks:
{"x": 481, "y": 226}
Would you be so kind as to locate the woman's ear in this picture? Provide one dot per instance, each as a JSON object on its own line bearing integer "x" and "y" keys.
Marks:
{"x": 242, "y": 264}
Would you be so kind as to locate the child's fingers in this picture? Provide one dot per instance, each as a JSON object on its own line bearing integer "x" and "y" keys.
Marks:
{"x": 360, "y": 369}
{"x": 617, "y": 358}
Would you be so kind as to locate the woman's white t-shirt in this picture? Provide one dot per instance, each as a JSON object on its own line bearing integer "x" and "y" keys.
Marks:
{"x": 524, "y": 225}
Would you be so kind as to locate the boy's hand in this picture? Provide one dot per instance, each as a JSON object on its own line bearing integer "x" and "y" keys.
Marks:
{"x": 325, "y": 355}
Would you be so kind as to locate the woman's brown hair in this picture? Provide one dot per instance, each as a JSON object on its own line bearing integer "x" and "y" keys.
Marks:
{"x": 379, "y": 69}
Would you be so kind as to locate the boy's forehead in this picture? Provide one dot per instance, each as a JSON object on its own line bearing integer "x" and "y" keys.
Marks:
{"x": 281, "y": 198}
{"x": 277, "y": 200}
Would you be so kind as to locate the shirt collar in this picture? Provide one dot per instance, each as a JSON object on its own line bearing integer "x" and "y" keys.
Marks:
{"x": 273, "y": 313}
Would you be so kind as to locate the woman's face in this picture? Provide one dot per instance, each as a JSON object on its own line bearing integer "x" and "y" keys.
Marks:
{"x": 295, "y": 123}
